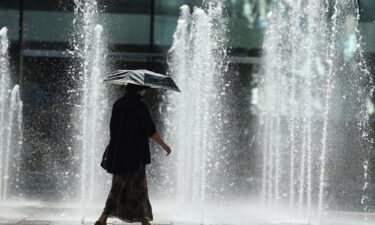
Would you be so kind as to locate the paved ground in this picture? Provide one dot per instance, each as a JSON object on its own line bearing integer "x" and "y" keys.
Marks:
{"x": 34, "y": 214}
{"x": 54, "y": 214}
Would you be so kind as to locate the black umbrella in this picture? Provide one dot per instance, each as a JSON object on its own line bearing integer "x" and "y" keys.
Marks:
{"x": 142, "y": 77}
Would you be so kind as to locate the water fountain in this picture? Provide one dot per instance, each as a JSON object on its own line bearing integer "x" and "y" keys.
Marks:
{"x": 195, "y": 122}
{"x": 89, "y": 48}
{"x": 10, "y": 130}
{"x": 312, "y": 105}
{"x": 312, "y": 114}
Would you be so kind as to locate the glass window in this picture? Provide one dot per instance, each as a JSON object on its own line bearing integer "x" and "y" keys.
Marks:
{"x": 50, "y": 5}
{"x": 165, "y": 22}
{"x": 47, "y": 25}
{"x": 127, "y": 23}
{"x": 41, "y": 28}
{"x": 9, "y": 17}
{"x": 166, "y": 16}
{"x": 247, "y": 20}
{"x": 127, "y": 29}
{"x": 126, "y": 6}
{"x": 367, "y": 25}
{"x": 9, "y": 4}
{"x": 367, "y": 10}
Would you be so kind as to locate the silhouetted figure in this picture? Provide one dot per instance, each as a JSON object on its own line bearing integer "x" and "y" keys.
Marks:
{"x": 126, "y": 157}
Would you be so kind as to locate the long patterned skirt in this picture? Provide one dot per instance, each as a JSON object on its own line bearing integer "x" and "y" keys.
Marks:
{"x": 128, "y": 198}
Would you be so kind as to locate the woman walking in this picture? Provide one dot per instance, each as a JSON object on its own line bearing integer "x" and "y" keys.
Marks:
{"x": 126, "y": 157}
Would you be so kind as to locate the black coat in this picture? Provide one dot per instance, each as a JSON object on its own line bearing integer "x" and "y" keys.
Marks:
{"x": 130, "y": 128}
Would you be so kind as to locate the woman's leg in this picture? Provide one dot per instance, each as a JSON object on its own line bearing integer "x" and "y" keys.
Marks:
{"x": 146, "y": 223}
{"x": 108, "y": 205}
{"x": 103, "y": 219}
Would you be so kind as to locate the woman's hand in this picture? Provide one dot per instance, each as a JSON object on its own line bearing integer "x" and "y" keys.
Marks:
{"x": 167, "y": 149}
{"x": 156, "y": 137}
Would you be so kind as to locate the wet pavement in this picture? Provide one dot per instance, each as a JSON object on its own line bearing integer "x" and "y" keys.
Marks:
{"x": 34, "y": 213}
{"x": 51, "y": 214}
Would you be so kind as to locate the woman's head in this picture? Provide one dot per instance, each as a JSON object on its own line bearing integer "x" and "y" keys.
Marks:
{"x": 133, "y": 88}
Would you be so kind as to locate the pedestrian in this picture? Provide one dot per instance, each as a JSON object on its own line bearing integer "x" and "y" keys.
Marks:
{"x": 126, "y": 157}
